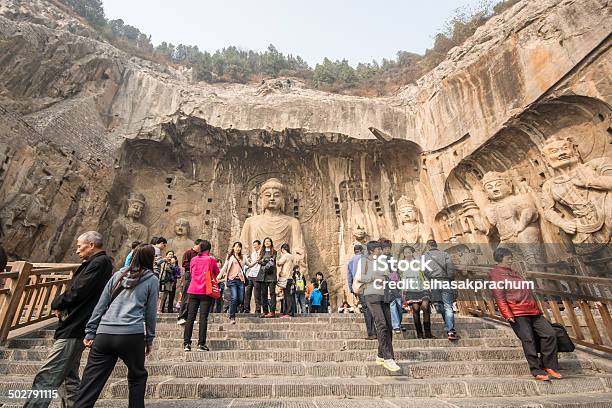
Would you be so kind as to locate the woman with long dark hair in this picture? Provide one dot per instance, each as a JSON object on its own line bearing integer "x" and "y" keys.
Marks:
{"x": 418, "y": 299}
{"x": 267, "y": 278}
{"x": 116, "y": 329}
{"x": 286, "y": 261}
{"x": 233, "y": 273}
{"x": 204, "y": 272}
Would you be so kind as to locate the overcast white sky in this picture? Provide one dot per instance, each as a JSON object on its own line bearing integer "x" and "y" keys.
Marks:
{"x": 358, "y": 30}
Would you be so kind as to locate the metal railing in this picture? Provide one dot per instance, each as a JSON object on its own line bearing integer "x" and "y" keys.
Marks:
{"x": 26, "y": 292}
{"x": 581, "y": 303}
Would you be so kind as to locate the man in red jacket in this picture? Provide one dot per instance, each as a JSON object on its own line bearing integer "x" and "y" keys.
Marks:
{"x": 518, "y": 306}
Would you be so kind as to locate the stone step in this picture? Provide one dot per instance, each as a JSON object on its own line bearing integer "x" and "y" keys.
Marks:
{"x": 456, "y": 353}
{"x": 294, "y": 335}
{"x": 414, "y": 354}
{"x": 577, "y": 400}
{"x": 314, "y": 318}
{"x": 304, "y": 387}
{"x": 582, "y": 400}
{"x": 301, "y": 327}
{"x": 339, "y": 345}
{"x": 331, "y": 369}
{"x": 378, "y": 387}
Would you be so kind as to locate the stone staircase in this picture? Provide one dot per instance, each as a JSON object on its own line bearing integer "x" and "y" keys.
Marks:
{"x": 324, "y": 361}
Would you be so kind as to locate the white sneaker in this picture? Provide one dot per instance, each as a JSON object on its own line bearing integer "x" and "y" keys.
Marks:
{"x": 380, "y": 360}
{"x": 181, "y": 322}
{"x": 391, "y": 365}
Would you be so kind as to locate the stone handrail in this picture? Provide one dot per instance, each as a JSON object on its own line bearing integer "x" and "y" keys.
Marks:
{"x": 26, "y": 292}
{"x": 581, "y": 303}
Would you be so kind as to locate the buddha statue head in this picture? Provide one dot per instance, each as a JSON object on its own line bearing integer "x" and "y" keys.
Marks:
{"x": 273, "y": 194}
{"x": 181, "y": 227}
{"x": 359, "y": 232}
{"x": 497, "y": 185}
{"x": 561, "y": 152}
{"x": 136, "y": 204}
{"x": 407, "y": 211}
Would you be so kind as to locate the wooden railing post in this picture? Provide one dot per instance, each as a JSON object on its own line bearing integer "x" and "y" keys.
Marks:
{"x": 15, "y": 286}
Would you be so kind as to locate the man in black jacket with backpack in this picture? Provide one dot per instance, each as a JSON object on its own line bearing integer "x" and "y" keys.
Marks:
{"x": 59, "y": 374}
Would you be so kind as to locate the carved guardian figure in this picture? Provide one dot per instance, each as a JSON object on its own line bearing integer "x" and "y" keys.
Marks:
{"x": 578, "y": 199}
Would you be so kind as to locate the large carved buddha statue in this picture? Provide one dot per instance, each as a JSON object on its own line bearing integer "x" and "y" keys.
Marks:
{"x": 181, "y": 241}
{"x": 411, "y": 230}
{"x": 127, "y": 228}
{"x": 578, "y": 198}
{"x": 274, "y": 223}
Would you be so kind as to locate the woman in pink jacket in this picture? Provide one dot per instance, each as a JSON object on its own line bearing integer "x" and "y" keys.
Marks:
{"x": 204, "y": 271}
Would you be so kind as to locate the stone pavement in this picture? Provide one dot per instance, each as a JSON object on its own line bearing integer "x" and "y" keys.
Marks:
{"x": 323, "y": 361}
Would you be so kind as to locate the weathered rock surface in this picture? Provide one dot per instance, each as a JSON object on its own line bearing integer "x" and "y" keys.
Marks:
{"x": 99, "y": 125}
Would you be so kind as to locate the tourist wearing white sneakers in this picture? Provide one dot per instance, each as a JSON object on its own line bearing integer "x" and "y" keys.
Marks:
{"x": 372, "y": 280}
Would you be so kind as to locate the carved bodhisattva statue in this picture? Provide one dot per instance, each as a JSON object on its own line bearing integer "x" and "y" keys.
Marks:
{"x": 127, "y": 229}
{"x": 514, "y": 216}
{"x": 274, "y": 223}
{"x": 578, "y": 199}
{"x": 411, "y": 230}
{"x": 181, "y": 241}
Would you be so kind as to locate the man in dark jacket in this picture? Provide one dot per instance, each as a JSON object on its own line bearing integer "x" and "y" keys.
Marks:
{"x": 60, "y": 372}
{"x": 440, "y": 271}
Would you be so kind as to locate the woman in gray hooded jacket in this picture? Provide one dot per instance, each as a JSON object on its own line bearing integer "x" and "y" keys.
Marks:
{"x": 116, "y": 330}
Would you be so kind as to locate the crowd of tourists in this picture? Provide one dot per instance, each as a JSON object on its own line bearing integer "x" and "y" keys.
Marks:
{"x": 114, "y": 314}
{"x": 384, "y": 304}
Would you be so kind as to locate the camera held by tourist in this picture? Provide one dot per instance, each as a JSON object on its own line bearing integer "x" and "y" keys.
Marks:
{"x": 520, "y": 308}
{"x": 122, "y": 326}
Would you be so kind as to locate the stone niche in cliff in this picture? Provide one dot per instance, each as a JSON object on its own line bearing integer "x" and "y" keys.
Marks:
{"x": 210, "y": 177}
{"x": 520, "y": 155}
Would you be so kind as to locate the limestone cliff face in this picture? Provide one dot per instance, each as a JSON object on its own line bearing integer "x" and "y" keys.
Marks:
{"x": 98, "y": 124}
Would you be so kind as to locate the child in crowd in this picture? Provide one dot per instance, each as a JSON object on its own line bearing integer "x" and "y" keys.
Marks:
{"x": 316, "y": 298}
{"x": 346, "y": 308}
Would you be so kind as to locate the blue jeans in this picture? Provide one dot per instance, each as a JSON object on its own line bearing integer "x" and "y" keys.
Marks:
{"x": 445, "y": 308}
{"x": 300, "y": 299}
{"x": 236, "y": 287}
{"x": 396, "y": 313}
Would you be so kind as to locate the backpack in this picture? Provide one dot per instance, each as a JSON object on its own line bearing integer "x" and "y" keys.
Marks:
{"x": 300, "y": 285}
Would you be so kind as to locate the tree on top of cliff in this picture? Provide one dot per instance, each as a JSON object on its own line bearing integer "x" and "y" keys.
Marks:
{"x": 92, "y": 10}
{"x": 232, "y": 64}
